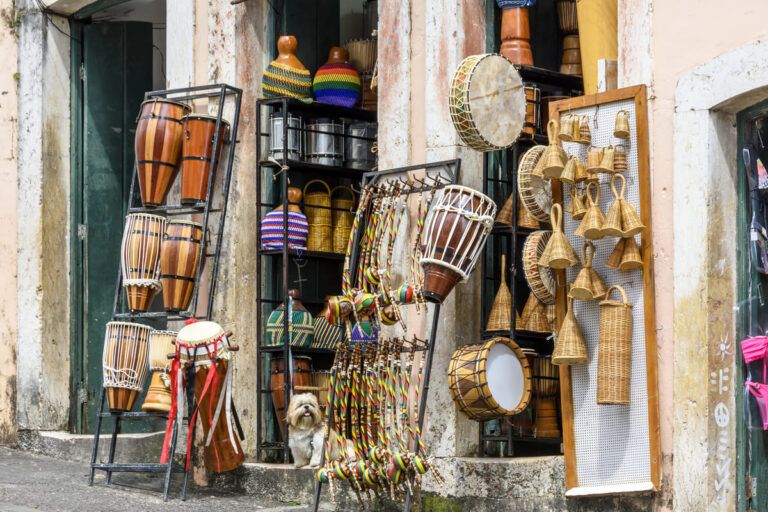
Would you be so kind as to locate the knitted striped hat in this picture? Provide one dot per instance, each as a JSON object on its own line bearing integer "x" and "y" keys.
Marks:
{"x": 282, "y": 80}
{"x": 337, "y": 84}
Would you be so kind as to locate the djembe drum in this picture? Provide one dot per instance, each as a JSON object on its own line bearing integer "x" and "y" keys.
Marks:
{"x": 454, "y": 237}
{"x": 546, "y": 384}
{"x": 158, "y": 399}
{"x": 124, "y": 363}
{"x": 325, "y": 142}
{"x": 197, "y": 151}
{"x": 490, "y": 380}
{"x": 206, "y": 346}
{"x": 293, "y": 146}
{"x": 179, "y": 256}
{"x": 140, "y": 258}
{"x": 159, "y": 136}
{"x": 302, "y": 377}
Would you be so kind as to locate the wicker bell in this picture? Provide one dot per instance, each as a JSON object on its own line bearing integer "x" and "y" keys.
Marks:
{"x": 570, "y": 348}
{"x": 614, "y": 350}
{"x": 582, "y": 288}
{"x": 594, "y": 157}
{"x": 576, "y": 129}
{"x": 581, "y": 172}
{"x": 626, "y": 256}
{"x": 343, "y": 217}
{"x": 613, "y": 219}
{"x": 569, "y": 171}
{"x": 606, "y": 163}
{"x": 577, "y": 205}
{"x": 552, "y": 166}
{"x": 591, "y": 226}
{"x": 558, "y": 252}
{"x": 566, "y": 128}
{"x": 504, "y": 217}
{"x": 630, "y": 220}
{"x": 318, "y": 210}
{"x": 620, "y": 158}
{"x": 585, "y": 135}
{"x": 621, "y": 127}
{"x": 500, "y": 318}
{"x": 534, "y": 317}
{"x": 525, "y": 219}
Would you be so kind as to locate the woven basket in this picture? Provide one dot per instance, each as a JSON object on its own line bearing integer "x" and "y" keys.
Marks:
{"x": 585, "y": 135}
{"x": 630, "y": 222}
{"x": 582, "y": 285}
{"x": 504, "y": 217}
{"x": 570, "y": 348}
{"x": 620, "y": 158}
{"x": 343, "y": 217}
{"x": 594, "y": 157}
{"x": 319, "y": 219}
{"x": 558, "y": 252}
{"x": 577, "y": 205}
{"x": 535, "y": 192}
{"x": 613, "y": 222}
{"x": 606, "y": 163}
{"x": 614, "y": 350}
{"x": 621, "y": 127}
{"x": 614, "y": 260}
{"x": 566, "y": 128}
{"x": 539, "y": 278}
{"x": 500, "y": 318}
{"x": 534, "y": 317}
{"x": 569, "y": 171}
{"x": 591, "y": 226}
{"x": 553, "y": 164}
{"x": 581, "y": 173}
{"x": 630, "y": 256}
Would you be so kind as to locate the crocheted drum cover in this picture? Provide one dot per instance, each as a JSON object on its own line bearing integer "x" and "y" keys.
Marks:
{"x": 337, "y": 84}
{"x": 272, "y": 230}
{"x": 282, "y": 80}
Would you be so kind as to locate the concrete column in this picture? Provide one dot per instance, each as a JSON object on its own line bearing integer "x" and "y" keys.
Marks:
{"x": 43, "y": 349}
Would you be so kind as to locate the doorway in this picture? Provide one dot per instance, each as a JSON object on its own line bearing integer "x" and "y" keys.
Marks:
{"x": 117, "y": 56}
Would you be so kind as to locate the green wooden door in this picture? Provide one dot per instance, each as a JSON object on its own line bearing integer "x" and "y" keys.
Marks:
{"x": 315, "y": 23}
{"x": 116, "y": 70}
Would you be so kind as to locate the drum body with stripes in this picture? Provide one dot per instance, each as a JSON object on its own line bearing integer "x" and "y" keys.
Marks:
{"x": 158, "y": 399}
{"x": 490, "y": 380}
{"x": 179, "y": 256}
{"x": 159, "y": 136}
{"x": 196, "y": 155}
{"x": 125, "y": 363}
{"x": 205, "y": 345}
{"x": 302, "y": 376}
{"x": 454, "y": 236}
{"x": 140, "y": 258}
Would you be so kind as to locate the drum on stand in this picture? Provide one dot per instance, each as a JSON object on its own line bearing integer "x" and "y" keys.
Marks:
{"x": 294, "y": 139}
{"x": 124, "y": 363}
{"x": 302, "y": 377}
{"x": 325, "y": 142}
{"x": 159, "y": 136}
{"x": 206, "y": 346}
{"x": 179, "y": 256}
{"x": 140, "y": 258}
{"x": 490, "y": 380}
{"x": 546, "y": 384}
{"x": 359, "y": 146}
{"x": 161, "y": 343}
{"x": 454, "y": 236}
{"x": 196, "y": 154}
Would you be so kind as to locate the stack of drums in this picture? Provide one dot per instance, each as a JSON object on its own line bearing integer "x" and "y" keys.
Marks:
{"x": 179, "y": 258}
{"x": 362, "y": 55}
{"x": 532, "y": 110}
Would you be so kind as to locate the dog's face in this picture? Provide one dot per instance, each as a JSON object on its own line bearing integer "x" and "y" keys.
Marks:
{"x": 304, "y": 411}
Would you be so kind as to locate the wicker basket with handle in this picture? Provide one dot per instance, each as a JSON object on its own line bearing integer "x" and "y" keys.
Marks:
{"x": 317, "y": 208}
{"x": 614, "y": 350}
{"x": 342, "y": 217}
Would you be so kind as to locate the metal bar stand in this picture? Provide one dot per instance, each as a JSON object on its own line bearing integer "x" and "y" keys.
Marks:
{"x": 220, "y": 93}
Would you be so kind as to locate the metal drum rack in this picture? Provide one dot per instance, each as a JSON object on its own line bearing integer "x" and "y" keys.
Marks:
{"x": 215, "y": 92}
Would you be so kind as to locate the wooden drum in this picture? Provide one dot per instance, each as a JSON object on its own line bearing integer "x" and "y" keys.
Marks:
{"x": 490, "y": 380}
{"x": 454, "y": 237}
{"x": 532, "y": 110}
{"x": 140, "y": 258}
{"x": 197, "y": 151}
{"x": 158, "y": 399}
{"x": 179, "y": 256}
{"x": 124, "y": 363}
{"x": 546, "y": 384}
{"x": 302, "y": 377}
{"x": 159, "y": 136}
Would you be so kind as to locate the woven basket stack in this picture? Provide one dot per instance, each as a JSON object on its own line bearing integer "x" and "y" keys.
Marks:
{"x": 318, "y": 210}
{"x": 343, "y": 216}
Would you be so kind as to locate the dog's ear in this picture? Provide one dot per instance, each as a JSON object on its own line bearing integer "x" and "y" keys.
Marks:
{"x": 293, "y": 414}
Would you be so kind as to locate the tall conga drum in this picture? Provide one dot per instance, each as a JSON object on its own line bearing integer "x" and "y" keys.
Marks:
{"x": 197, "y": 151}
{"x": 454, "y": 237}
{"x": 159, "y": 136}
{"x": 546, "y": 384}
{"x": 179, "y": 256}
{"x": 158, "y": 399}
{"x": 206, "y": 346}
{"x": 124, "y": 363}
{"x": 302, "y": 376}
{"x": 140, "y": 258}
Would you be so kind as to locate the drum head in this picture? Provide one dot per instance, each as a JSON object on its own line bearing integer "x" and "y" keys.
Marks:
{"x": 506, "y": 377}
{"x": 497, "y": 101}
{"x": 199, "y": 332}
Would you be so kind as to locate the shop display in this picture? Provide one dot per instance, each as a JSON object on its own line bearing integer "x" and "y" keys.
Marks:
{"x": 570, "y": 348}
{"x": 294, "y": 137}
{"x": 539, "y": 278}
{"x": 325, "y": 142}
{"x": 487, "y": 102}
{"x": 158, "y": 399}
{"x": 591, "y": 226}
{"x": 302, "y": 378}
{"x": 534, "y": 317}
{"x": 598, "y": 29}
{"x": 197, "y": 152}
{"x": 301, "y": 326}
{"x": 343, "y": 216}
{"x": 455, "y": 232}
{"x": 317, "y": 208}
{"x": 490, "y": 380}
{"x": 571, "y": 61}
{"x": 500, "y": 318}
{"x": 535, "y": 192}
{"x": 140, "y": 259}
{"x": 625, "y": 255}
{"x": 558, "y": 252}
{"x": 158, "y": 142}
{"x": 614, "y": 350}
{"x": 621, "y": 125}
{"x": 124, "y": 363}
{"x": 516, "y": 31}
{"x": 546, "y": 384}
{"x": 272, "y": 234}
{"x": 337, "y": 82}
{"x": 362, "y": 54}
{"x": 359, "y": 147}
{"x": 286, "y": 75}
{"x": 179, "y": 257}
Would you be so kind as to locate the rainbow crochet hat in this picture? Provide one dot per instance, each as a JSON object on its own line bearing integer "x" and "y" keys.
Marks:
{"x": 337, "y": 84}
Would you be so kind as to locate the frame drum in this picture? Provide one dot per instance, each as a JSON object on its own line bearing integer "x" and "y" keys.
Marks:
{"x": 294, "y": 138}
{"x": 325, "y": 143}
{"x": 490, "y": 380}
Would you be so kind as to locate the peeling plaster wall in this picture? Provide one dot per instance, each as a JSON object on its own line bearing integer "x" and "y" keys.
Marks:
{"x": 8, "y": 244}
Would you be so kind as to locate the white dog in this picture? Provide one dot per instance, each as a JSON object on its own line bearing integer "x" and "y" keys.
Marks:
{"x": 307, "y": 431}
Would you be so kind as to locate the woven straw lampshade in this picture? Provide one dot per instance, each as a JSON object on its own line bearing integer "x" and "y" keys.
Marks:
{"x": 570, "y": 348}
{"x": 614, "y": 350}
{"x": 558, "y": 252}
{"x": 534, "y": 317}
{"x": 591, "y": 226}
{"x": 500, "y": 318}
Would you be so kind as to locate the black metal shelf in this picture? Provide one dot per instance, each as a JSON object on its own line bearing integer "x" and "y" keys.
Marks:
{"x": 296, "y": 350}
{"x": 327, "y": 171}
{"x": 308, "y": 255}
{"x": 318, "y": 110}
